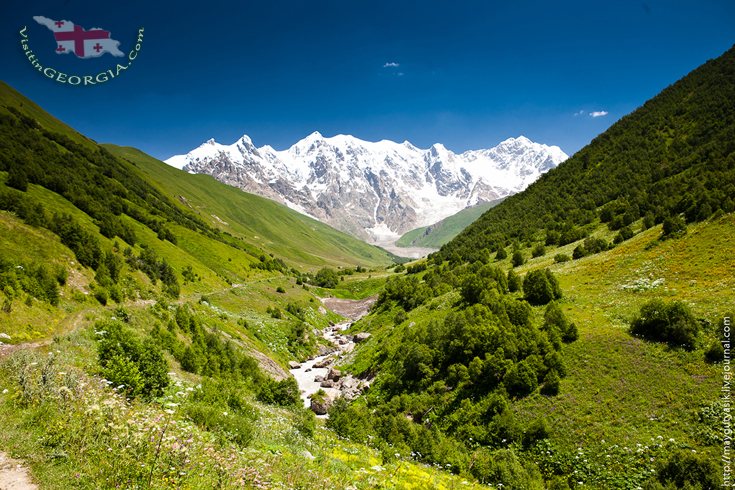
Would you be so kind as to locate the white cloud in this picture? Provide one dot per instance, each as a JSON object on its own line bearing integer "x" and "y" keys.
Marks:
{"x": 580, "y": 113}
{"x": 598, "y": 113}
{"x": 390, "y": 64}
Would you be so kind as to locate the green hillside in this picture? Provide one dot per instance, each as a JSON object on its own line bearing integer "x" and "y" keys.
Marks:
{"x": 299, "y": 239}
{"x": 574, "y": 329}
{"x": 436, "y": 235}
{"x": 569, "y": 338}
{"x": 674, "y": 155}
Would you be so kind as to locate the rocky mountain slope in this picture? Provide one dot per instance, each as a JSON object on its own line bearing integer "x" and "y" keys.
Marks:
{"x": 374, "y": 191}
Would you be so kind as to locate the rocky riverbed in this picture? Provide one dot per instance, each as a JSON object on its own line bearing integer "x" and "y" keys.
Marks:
{"x": 319, "y": 373}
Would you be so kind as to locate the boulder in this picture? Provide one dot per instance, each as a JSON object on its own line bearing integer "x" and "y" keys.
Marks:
{"x": 361, "y": 337}
{"x": 323, "y": 350}
{"x": 321, "y": 405}
{"x": 322, "y": 310}
{"x": 318, "y": 378}
{"x": 294, "y": 365}
{"x": 325, "y": 363}
{"x": 348, "y": 383}
{"x": 307, "y": 370}
{"x": 334, "y": 375}
{"x": 327, "y": 383}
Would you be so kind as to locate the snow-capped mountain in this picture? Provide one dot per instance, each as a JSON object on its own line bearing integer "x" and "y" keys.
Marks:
{"x": 373, "y": 191}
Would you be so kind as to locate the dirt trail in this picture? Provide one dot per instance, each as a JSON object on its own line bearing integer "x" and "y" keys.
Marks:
{"x": 13, "y": 475}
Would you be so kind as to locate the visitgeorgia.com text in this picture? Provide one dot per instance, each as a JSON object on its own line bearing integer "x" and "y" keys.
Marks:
{"x": 61, "y": 77}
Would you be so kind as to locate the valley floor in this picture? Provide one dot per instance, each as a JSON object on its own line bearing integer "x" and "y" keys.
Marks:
{"x": 410, "y": 252}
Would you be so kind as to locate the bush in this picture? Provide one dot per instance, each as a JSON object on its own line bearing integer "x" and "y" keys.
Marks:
{"x": 538, "y": 430}
{"x": 673, "y": 226}
{"x": 280, "y": 289}
{"x": 125, "y": 360}
{"x": 230, "y": 426}
{"x": 520, "y": 379}
{"x": 685, "y": 469}
{"x": 326, "y": 278}
{"x": 559, "y": 258}
{"x": 284, "y": 393}
{"x": 625, "y": 233}
{"x": 715, "y": 353}
{"x": 538, "y": 251}
{"x": 554, "y": 318}
{"x": 501, "y": 254}
{"x": 540, "y": 287}
{"x": 671, "y": 322}
{"x": 101, "y": 295}
{"x": 551, "y": 383}
{"x": 518, "y": 258}
{"x": 514, "y": 281}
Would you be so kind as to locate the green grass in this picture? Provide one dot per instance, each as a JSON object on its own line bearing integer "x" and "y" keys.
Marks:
{"x": 12, "y": 98}
{"x": 257, "y": 221}
{"x": 440, "y": 233}
{"x": 624, "y": 400}
{"x": 75, "y": 432}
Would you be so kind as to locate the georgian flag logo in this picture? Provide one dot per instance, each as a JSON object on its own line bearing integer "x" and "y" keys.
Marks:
{"x": 72, "y": 38}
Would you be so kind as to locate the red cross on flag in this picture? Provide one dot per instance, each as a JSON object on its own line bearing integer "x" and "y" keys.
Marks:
{"x": 74, "y": 39}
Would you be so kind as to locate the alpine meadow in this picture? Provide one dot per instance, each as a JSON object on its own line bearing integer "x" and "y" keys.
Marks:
{"x": 162, "y": 329}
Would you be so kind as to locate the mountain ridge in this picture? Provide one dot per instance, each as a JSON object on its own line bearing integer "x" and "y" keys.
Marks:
{"x": 373, "y": 190}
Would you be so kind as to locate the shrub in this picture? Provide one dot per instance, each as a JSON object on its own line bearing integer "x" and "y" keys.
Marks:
{"x": 551, "y": 383}
{"x": 685, "y": 469}
{"x": 520, "y": 379}
{"x": 538, "y": 251}
{"x": 540, "y": 287}
{"x": 538, "y": 430}
{"x": 101, "y": 295}
{"x": 671, "y": 322}
{"x": 579, "y": 252}
{"x": 625, "y": 233}
{"x": 501, "y": 254}
{"x": 554, "y": 318}
{"x": 125, "y": 360}
{"x": 280, "y": 289}
{"x": 305, "y": 421}
{"x": 230, "y": 426}
{"x": 284, "y": 393}
{"x": 559, "y": 258}
{"x": 514, "y": 281}
{"x": 715, "y": 352}
{"x": 673, "y": 226}
{"x": 518, "y": 258}
{"x": 326, "y": 278}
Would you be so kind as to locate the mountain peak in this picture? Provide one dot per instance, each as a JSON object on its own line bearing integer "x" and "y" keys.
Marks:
{"x": 371, "y": 188}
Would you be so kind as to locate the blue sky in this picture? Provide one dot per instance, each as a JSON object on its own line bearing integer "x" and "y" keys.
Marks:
{"x": 466, "y": 74}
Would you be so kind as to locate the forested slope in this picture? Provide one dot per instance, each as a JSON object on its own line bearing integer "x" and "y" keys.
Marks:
{"x": 675, "y": 154}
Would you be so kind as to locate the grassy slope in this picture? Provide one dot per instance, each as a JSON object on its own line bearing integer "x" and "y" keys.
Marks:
{"x": 12, "y": 98}
{"x": 440, "y": 233}
{"x": 619, "y": 389}
{"x": 297, "y": 238}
